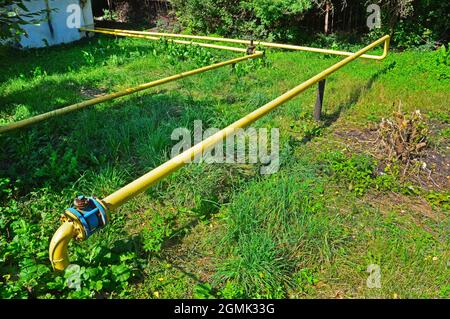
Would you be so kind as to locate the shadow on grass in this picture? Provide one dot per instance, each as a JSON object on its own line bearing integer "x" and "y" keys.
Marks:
{"x": 133, "y": 132}
{"x": 135, "y": 243}
{"x": 329, "y": 119}
{"x": 58, "y": 59}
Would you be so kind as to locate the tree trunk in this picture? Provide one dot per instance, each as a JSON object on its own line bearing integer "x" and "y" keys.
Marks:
{"x": 110, "y": 10}
{"x": 327, "y": 16}
{"x": 332, "y": 20}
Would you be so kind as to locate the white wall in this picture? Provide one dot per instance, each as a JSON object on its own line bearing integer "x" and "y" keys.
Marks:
{"x": 40, "y": 35}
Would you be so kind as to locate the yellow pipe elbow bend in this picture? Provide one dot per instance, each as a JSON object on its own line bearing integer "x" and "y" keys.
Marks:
{"x": 59, "y": 256}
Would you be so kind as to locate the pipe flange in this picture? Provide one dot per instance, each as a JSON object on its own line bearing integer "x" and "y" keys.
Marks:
{"x": 88, "y": 216}
{"x": 251, "y": 49}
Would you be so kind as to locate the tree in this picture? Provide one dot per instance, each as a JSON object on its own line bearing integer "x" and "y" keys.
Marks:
{"x": 394, "y": 10}
{"x": 328, "y": 8}
{"x": 14, "y": 14}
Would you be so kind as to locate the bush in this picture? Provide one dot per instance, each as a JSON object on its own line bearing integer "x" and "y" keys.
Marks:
{"x": 261, "y": 18}
{"x": 102, "y": 269}
{"x": 410, "y": 22}
{"x": 14, "y": 14}
{"x": 359, "y": 172}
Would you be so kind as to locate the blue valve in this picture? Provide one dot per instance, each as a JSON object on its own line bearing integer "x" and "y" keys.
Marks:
{"x": 89, "y": 213}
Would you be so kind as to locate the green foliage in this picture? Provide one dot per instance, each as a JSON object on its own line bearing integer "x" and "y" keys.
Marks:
{"x": 203, "y": 291}
{"x": 178, "y": 53}
{"x": 88, "y": 57}
{"x": 156, "y": 232}
{"x": 116, "y": 60}
{"x": 308, "y": 126}
{"x": 305, "y": 279}
{"x": 437, "y": 64}
{"x": 359, "y": 172}
{"x": 232, "y": 290}
{"x": 208, "y": 15}
{"x": 271, "y": 17}
{"x": 439, "y": 199}
{"x": 414, "y": 23}
{"x": 262, "y": 233}
{"x": 59, "y": 167}
{"x": 262, "y": 18}
{"x": 440, "y": 116}
{"x": 14, "y": 15}
{"x": 445, "y": 291}
{"x": 250, "y": 66}
{"x": 280, "y": 233}
{"x": 411, "y": 23}
{"x": 443, "y": 55}
{"x": 24, "y": 266}
{"x": 110, "y": 15}
{"x": 442, "y": 62}
{"x": 175, "y": 53}
{"x": 406, "y": 35}
{"x": 5, "y": 190}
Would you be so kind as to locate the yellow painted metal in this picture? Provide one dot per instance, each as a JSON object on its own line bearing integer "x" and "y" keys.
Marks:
{"x": 142, "y": 36}
{"x": 58, "y": 252}
{"x": 119, "y": 197}
{"x": 247, "y": 42}
{"x": 74, "y": 107}
{"x": 116, "y": 199}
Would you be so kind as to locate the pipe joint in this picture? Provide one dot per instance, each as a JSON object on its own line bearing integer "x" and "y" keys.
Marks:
{"x": 88, "y": 216}
{"x": 251, "y": 48}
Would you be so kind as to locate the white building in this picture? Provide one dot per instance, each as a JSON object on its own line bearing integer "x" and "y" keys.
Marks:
{"x": 60, "y": 25}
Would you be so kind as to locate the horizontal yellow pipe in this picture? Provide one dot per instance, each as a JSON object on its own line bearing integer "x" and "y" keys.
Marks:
{"x": 247, "y": 42}
{"x": 81, "y": 105}
{"x": 61, "y": 239}
{"x": 141, "y": 184}
{"x": 141, "y": 36}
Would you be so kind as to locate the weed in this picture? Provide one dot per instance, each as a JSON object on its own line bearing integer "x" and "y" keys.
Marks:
{"x": 445, "y": 291}
{"x": 177, "y": 53}
{"x": 203, "y": 291}
{"x": 88, "y": 58}
{"x": 156, "y": 232}
{"x": 24, "y": 246}
{"x": 439, "y": 199}
{"x": 262, "y": 233}
{"x": 359, "y": 172}
{"x": 438, "y": 64}
{"x": 58, "y": 168}
{"x": 403, "y": 138}
{"x": 115, "y": 60}
{"x": 110, "y": 15}
{"x": 305, "y": 279}
{"x": 243, "y": 69}
{"x": 232, "y": 290}
{"x": 440, "y": 116}
{"x": 38, "y": 72}
{"x": 271, "y": 236}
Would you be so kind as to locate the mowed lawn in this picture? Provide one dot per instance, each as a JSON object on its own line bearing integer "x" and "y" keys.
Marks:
{"x": 221, "y": 230}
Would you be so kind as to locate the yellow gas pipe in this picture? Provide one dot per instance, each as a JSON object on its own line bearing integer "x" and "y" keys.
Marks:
{"x": 143, "y": 36}
{"x": 74, "y": 107}
{"x": 59, "y": 255}
{"x": 60, "y": 241}
{"x": 245, "y": 42}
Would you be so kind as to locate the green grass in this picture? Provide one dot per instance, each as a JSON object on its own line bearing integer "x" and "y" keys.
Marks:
{"x": 216, "y": 231}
